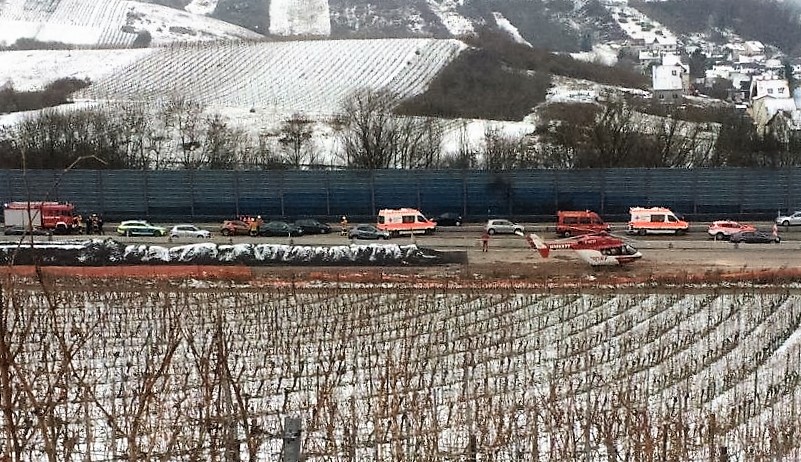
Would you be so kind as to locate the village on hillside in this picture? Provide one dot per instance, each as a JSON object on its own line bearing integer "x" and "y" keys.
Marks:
{"x": 754, "y": 75}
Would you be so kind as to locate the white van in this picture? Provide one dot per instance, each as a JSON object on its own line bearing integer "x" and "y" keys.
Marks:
{"x": 404, "y": 221}
{"x": 655, "y": 220}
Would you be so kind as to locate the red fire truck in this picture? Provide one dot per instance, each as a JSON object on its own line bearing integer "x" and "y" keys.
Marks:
{"x": 58, "y": 217}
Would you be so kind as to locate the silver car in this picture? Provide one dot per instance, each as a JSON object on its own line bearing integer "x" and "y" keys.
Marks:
{"x": 789, "y": 220}
{"x": 503, "y": 227}
{"x": 187, "y": 230}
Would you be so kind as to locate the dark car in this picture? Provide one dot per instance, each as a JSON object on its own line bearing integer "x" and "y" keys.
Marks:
{"x": 448, "y": 219}
{"x": 754, "y": 237}
{"x": 279, "y": 228}
{"x": 367, "y": 232}
{"x": 17, "y": 230}
{"x": 312, "y": 226}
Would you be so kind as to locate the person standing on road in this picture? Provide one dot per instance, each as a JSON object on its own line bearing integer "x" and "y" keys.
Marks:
{"x": 485, "y": 237}
{"x": 254, "y": 227}
{"x": 343, "y": 231}
{"x": 78, "y": 224}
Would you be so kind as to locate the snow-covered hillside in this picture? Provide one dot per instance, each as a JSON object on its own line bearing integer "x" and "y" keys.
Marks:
{"x": 299, "y": 76}
{"x": 33, "y": 69}
{"x": 107, "y": 23}
{"x": 79, "y": 22}
{"x": 168, "y": 25}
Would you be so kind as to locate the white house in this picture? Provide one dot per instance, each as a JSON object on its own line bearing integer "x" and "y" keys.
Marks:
{"x": 670, "y": 80}
{"x": 770, "y": 95}
{"x": 768, "y": 85}
{"x": 753, "y": 48}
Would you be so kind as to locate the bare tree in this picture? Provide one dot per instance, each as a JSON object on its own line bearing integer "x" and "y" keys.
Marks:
{"x": 183, "y": 116}
{"x": 563, "y": 133}
{"x": 416, "y": 142}
{"x": 369, "y": 129}
{"x": 295, "y": 139}
{"x": 136, "y": 131}
{"x": 222, "y": 144}
{"x": 505, "y": 152}
{"x": 263, "y": 156}
{"x": 466, "y": 155}
{"x": 613, "y": 136}
{"x": 681, "y": 144}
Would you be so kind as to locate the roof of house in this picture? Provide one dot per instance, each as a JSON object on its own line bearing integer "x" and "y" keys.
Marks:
{"x": 671, "y": 60}
{"x": 667, "y": 78}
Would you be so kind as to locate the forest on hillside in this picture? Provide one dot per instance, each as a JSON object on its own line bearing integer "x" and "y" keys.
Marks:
{"x": 773, "y": 22}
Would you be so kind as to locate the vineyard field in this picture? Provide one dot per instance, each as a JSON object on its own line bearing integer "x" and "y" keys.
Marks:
{"x": 197, "y": 370}
{"x": 295, "y": 76}
{"x": 108, "y": 23}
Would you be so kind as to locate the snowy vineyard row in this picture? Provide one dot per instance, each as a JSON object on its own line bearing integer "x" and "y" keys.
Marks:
{"x": 297, "y": 76}
{"x": 85, "y": 22}
{"x": 146, "y": 372}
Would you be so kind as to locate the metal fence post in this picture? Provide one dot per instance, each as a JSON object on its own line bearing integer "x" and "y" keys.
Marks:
{"x": 373, "y": 210}
{"x": 291, "y": 448}
{"x": 464, "y": 194}
{"x": 236, "y": 193}
{"x": 99, "y": 191}
{"x": 281, "y": 181}
{"x": 602, "y": 205}
{"x": 327, "y": 194}
{"x": 147, "y": 194}
{"x": 192, "y": 192}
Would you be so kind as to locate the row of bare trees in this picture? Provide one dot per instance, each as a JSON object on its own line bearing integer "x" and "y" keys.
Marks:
{"x": 369, "y": 134}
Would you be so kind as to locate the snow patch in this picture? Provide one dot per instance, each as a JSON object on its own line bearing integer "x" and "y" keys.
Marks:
{"x": 601, "y": 54}
{"x": 506, "y": 26}
{"x": 456, "y": 24}
{"x": 470, "y": 134}
{"x": 30, "y": 70}
{"x": 202, "y": 7}
{"x": 300, "y": 17}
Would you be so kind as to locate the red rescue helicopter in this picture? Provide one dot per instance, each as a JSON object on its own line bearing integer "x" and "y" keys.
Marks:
{"x": 600, "y": 249}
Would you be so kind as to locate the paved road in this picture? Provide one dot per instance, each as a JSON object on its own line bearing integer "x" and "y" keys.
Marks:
{"x": 694, "y": 251}
{"x": 466, "y": 236}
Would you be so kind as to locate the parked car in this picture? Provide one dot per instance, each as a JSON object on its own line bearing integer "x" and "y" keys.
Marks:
{"x": 755, "y": 237}
{"x": 793, "y": 219}
{"x": 189, "y": 230}
{"x": 367, "y": 232}
{"x": 500, "y": 226}
{"x": 140, "y": 228}
{"x": 313, "y": 226}
{"x": 448, "y": 219}
{"x": 279, "y": 228}
{"x": 19, "y": 230}
{"x": 723, "y": 229}
{"x": 579, "y": 222}
{"x": 235, "y": 228}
